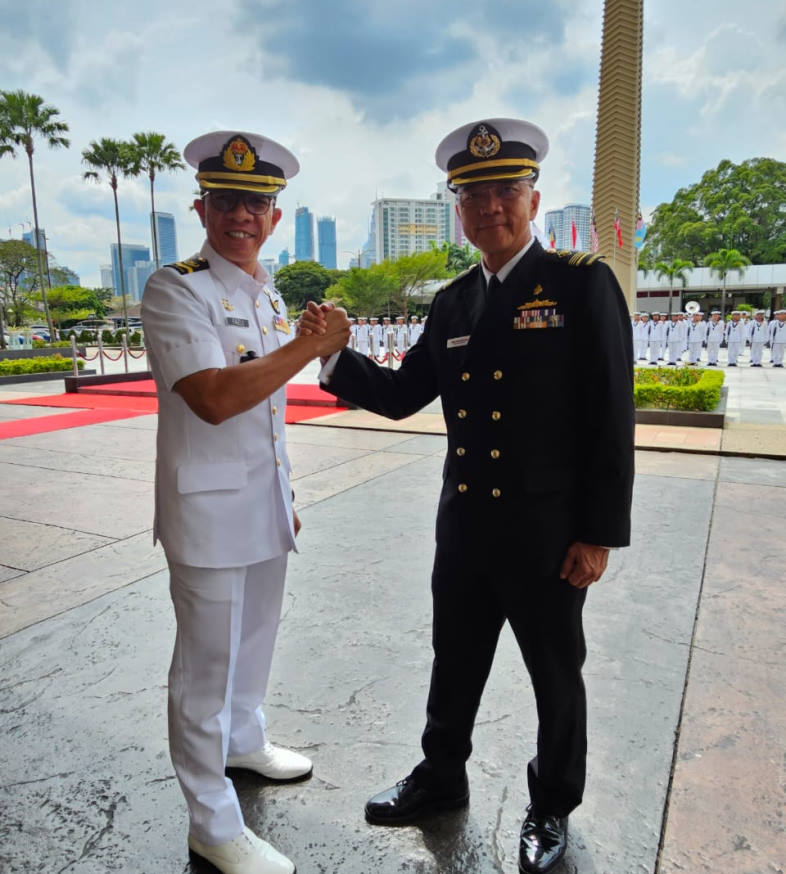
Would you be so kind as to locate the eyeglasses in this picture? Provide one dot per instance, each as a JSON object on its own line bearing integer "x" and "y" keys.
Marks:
{"x": 473, "y": 196}
{"x": 226, "y": 201}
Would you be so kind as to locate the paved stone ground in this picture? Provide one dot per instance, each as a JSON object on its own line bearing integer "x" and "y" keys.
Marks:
{"x": 687, "y": 766}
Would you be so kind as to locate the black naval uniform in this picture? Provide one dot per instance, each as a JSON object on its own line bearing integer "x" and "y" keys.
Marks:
{"x": 536, "y": 389}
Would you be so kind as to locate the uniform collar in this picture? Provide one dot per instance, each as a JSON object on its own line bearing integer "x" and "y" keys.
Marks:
{"x": 504, "y": 271}
{"x": 231, "y": 275}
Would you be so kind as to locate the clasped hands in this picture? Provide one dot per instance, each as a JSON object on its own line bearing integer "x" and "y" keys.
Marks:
{"x": 327, "y": 324}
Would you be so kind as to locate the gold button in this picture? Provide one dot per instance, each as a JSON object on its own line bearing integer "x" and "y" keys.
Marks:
{"x": 495, "y": 493}
{"x": 495, "y": 453}
{"x": 264, "y": 329}
{"x": 241, "y": 347}
{"x": 462, "y": 414}
{"x": 278, "y": 462}
{"x": 497, "y": 374}
{"x": 461, "y": 451}
{"x": 275, "y": 437}
{"x": 465, "y": 376}
{"x": 275, "y": 410}
{"x": 256, "y": 304}
{"x": 496, "y": 415}
{"x": 463, "y": 487}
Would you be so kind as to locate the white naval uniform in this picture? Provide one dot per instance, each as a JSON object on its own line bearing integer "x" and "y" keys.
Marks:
{"x": 697, "y": 332}
{"x": 224, "y": 518}
{"x": 777, "y": 342}
{"x": 675, "y": 339}
{"x": 735, "y": 340}
{"x": 641, "y": 336}
{"x": 758, "y": 334}
{"x": 715, "y": 332}
{"x": 363, "y": 335}
{"x": 415, "y": 330}
{"x": 376, "y": 340}
{"x": 402, "y": 338}
{"x": 657, "y": 337}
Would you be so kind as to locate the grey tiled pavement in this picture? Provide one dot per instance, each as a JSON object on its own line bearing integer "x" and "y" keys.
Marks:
{"x": 685, "y": 673}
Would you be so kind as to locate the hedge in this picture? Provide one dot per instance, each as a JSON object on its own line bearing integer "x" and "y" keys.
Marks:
{"x": 680, "y": 388}
{"x": 54, "y": 363}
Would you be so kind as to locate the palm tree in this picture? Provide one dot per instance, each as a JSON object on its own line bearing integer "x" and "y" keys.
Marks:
{"x": 674, "y": 270}
{"x": 23, "y": 117}
{"x": 152, "y": 154}
{"x": 115, "y": 158}
{"x": 723, "y": 262}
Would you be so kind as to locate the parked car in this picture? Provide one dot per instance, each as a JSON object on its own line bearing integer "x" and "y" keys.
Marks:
{"x": 41, "y": 332}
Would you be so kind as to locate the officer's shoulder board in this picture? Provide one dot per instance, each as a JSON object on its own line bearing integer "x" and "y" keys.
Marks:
{"x": 574, "y": 259}
{"x": 464, "y": 273}
{"x": 191, "y": 265}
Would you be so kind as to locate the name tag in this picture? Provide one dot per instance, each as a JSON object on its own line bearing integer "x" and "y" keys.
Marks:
{"x": 236, "y": 323}
{"x": 455, "y": 342}
{"x": 281, "y": 324}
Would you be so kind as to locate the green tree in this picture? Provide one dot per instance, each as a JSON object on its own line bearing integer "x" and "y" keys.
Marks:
{"x": 735, "y": 206}
{"x": 114, "y": 158}
{"x": 18, "y": 260}
{"x": 301, "y": 282}
{"x": 70, "y": 303}
{"x": 675, "y": 271}
{"x": 365, "y": 290}
{"x": 412, "y": 272}
{"x": 458, "y": 258}
{"x": 23, "y": 117}
{"x": 153, "y": 154}
{"x": 723, "y": 262}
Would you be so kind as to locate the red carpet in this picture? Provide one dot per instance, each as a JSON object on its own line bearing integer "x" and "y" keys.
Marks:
{"x": 124, "y": 400}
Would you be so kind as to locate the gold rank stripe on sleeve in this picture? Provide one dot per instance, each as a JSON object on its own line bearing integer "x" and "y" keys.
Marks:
{"x": 192, "y": 265}
{"x": 575, "y": 259}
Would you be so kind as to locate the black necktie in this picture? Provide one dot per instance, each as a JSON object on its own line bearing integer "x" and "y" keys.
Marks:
{"x": 493, "y": 287}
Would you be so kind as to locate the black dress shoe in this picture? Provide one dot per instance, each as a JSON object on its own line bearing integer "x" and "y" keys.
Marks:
{"x": 408, "y": 802}
{"x": 544, "y": 840}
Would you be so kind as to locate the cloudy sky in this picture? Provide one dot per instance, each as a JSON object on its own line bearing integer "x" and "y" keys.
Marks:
{"x": 362, "y": 91}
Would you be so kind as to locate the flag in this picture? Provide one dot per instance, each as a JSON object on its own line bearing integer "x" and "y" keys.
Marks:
{"x": 594, "y": 234}
{"x": 573, "y": 234}
{"x": 640, "y": 233}
{"x": 552, "y": 237}
{"x": 618, "y": 229}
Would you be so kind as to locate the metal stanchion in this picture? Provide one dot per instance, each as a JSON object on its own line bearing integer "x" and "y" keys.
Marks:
{"x": 101, "y": 353}
{"x": 74, "y": 355}
{"x": 391, "y": 348}
{"x": 125, "y": 351}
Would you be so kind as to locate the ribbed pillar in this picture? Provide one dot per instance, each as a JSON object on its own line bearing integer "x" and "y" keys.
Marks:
{"x": 615, "y": 183}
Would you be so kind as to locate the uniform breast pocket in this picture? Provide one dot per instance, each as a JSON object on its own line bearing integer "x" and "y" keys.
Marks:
{"x": 238, "y": 338}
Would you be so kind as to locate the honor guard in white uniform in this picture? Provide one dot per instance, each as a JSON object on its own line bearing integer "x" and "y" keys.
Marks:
{"x": 715, "y": 332}
{"x": 415, "y": 330}
{"x": 735, "y": 338}
{"x": 697, "y": 333}
{"x": 758, "y": 335}
{"x": 402, "y": 335}
{"x": 642, "y": 337}
{"x": 353, "y": 333}
{"x": 363, "y": 336}
{"x": 674, "y": 338}
{"x": 375, "y": 330}
{"x": 657, "y": 337}
{"x": 778, "y": 338}
{"x": 221, "y": 352}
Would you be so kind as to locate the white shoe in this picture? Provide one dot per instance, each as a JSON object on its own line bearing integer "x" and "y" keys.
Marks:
{"x": 275, "y": 763}
{"x": 245, "y": 854}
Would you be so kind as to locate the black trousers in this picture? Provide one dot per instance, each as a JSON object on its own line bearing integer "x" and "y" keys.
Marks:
{"x": 471, "y": 604}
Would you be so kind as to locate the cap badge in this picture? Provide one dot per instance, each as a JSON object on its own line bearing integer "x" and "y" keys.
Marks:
{"x": 239, "y": 155}
{"x": 484, "y": 143}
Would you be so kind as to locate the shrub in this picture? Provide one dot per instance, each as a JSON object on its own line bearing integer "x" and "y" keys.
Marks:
{"x": 51, "y": 364}
{"x": 677, "y": 389}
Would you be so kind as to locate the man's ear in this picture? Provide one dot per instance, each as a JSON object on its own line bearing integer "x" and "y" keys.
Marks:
{"x": 199, "y": 207}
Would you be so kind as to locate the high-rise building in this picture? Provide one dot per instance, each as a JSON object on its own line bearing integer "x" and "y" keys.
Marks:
{"x": 133, "y": 254}
{"x": 560, "y": 225}
{"x": 304, "y": 234}
{"x": 107, "y": 279}
{"x": 405, "y": 226}
{"x": 270, "y": 264}
{"x": 326, "y": 238}
{"x": 283, "y": 258}
{"x": 162, "y": 225}
{"x": 29, "y": 238}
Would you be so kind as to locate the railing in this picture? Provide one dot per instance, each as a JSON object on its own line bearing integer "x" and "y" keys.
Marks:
{"x": 125, "y": 352}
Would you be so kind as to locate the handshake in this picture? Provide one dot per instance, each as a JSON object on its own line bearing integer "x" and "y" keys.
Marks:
{"x": 326, "y": 325}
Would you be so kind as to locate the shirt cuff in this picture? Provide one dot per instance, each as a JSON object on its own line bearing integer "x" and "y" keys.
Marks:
{"x": 328, "y": 366}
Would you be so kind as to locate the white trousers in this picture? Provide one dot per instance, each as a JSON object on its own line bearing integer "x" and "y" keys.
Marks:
{"x": 756, "y": 351}
{"x": 733, "y": 351}
{"x": 675, "y": 351}
{"x": 713, "y": 347}
{"x": 694, "y": 352}
{"x": 227, "y": 620}
{"x": 776, "y": 353}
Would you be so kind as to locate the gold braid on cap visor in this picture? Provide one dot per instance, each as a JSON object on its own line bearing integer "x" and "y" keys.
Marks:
{"x": 506, "y": 170}
{"x": 241, "y": 181}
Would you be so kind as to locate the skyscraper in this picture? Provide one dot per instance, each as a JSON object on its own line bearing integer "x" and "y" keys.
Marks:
{"x": 562, "y": 223}
{"x": 162, "y": 225}
{"x": 137, "y": 267}
{"x": 326, "y": 237}
{"x": 107, "y": 277}
{"x": 304, "y": 234}
{"x": 283, "y": 258}
{"x": 405, "y": 227}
